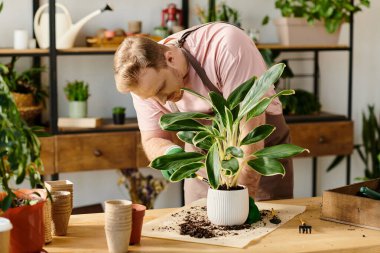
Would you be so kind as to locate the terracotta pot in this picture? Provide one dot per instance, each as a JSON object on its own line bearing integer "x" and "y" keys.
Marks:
{"x": 296, "y": 31}
{"x": 138, "y": 212}
{"x": 27, "y": 234}
{"x": 227, "y": 208}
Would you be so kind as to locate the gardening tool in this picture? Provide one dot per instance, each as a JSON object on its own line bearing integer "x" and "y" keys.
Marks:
{"x": 304, "y": 227}
{"x": 369, "y": 193}
{"x": 171, "y": 16}
{"x": 65, "y": 30}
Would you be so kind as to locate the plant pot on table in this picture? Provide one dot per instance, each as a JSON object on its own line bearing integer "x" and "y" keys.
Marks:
{"x": 228, "y": 207}
{"x": 78, "y": 109}
{"x": 27, "y": 234}
{"x": 118, "y": 118}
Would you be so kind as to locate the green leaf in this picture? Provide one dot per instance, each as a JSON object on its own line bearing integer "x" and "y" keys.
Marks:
{"x": 258, "y": 134}
{"x": 175, "y": 161}
{"x": 186, "y": 136}
{"x": 239, "y": 93}
{"x": 264, "y": 22}
{"x": 183, "y": 121}
{"x": 260, "y": 87}
{"x": 185, "y": 171}
{"x": 183, "y": 125}
{"x": 213, "y": 166}
{"x": 235, "y": 151}
{"x": 267, "y": 166}
{"x": 231, "y": 165}
{"x": 229, "y": 118}
{"x": 254, "y": 213}
{"x": 196, "y": 94}
{"x": 280, "y": 151}
{"x": 263, "y": 104}
{"x": 6, "y": 202}
{"x": 337, "y": 160}
{"x": 218, "y": 104}
{"x": 203, "y": 140}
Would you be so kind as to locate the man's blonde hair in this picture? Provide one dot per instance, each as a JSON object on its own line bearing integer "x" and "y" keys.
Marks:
{"x": 134, "y": 54}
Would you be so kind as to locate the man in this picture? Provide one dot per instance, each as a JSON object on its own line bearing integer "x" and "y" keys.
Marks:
{"x": 215, "y": 56}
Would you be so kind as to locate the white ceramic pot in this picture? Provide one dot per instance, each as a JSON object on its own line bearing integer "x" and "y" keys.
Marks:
{"x": 78, "y": 109}
{"x": 227, "y": 208}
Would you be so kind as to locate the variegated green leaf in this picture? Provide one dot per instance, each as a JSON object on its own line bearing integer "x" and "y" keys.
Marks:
{"x": 258, "y": 134}
{"x": 185, "y": 171}
{"x": 218, "y": 104}
{"x": 183, "y": 125}
{"x": 229, "y": 118}
{"x": 267, "y": 166}
{"x": 231, "y": 165}
{"x": 263, "y": 104}
{"x": 213, "y": 166}
{"x": 259, "y": 88}
{"x": 196, "y": 94}
{"x": 176, "y": 161}
{"x": 203, "y": 140}
{"x": 280, "y": 151}
{"x": 170, "y": 118}
{"x": 239, "y": 93}
{"x": 235, "y": 151}
{"x": 186, "y": 136}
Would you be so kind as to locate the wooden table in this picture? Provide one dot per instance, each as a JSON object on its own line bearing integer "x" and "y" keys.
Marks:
{"x": 86, "y": 234}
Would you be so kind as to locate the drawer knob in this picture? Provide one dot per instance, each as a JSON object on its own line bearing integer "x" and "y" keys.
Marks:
{"x": 322, "y": 139}
{"x": 97, "y": 152}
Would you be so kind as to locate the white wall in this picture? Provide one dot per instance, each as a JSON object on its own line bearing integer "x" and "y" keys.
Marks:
{"x": 95, "y": 187}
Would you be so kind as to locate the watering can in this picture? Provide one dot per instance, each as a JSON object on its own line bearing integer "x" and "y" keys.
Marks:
{"x": 65, "y": 30}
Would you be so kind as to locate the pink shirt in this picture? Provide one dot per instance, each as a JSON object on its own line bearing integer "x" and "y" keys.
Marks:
{"x": 222, "y": 51}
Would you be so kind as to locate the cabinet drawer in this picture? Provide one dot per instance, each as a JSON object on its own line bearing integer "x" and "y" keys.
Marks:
{"x": 48, "y": 154}
{"x": 96, "y": 151}
{"x": 323, "y": 138}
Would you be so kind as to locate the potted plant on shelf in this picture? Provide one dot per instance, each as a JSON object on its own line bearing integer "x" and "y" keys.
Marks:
{"x": 26, "y": 89}
{"x": 118, "y": 115}
{"x": 221, "y": 12}
{"x": 222, "y": 146}
{"x": 77, "y": 93}
{"x": 20, "y": 160}
{"x": 313, "y": 22}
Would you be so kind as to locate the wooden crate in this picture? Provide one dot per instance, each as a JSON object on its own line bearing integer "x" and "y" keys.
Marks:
{"x": 344, "y": 206}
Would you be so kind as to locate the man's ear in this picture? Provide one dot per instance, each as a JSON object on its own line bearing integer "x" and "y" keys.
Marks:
{"x": 169, "y": 57}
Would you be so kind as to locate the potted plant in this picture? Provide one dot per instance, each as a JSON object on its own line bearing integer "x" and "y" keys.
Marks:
{"x": 26, "y": 89}
{"x": 221, "y": 145}
{"x": 20, "y": 160}
{"x": 221, "y": 12}
{"x": 369, "y": 150}
{"x": 77, "y": 93}
{"x": 323, "y": 16}
{"x": 118, "y": 115}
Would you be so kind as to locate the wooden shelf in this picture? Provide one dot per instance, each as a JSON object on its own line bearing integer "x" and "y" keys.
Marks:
{"x": 107, "y": 126}
{"x": 87, "y": 50}
{"x": 24, "y": 52}
{"x": 303, "y": 47}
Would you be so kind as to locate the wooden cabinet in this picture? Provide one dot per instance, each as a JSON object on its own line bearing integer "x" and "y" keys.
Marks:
{"x": 92, "y": 151}
{"x": 48, "y": 154}
{"x": 323, "y": 138}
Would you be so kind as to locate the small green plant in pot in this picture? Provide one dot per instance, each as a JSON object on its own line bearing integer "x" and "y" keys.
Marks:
{"x": 325, "y": 16}
{"x": 118, "y": 115}
{"x": 19, "y": 161}
{"x": 77, "y": 93}
{"x": 222, "y": 151}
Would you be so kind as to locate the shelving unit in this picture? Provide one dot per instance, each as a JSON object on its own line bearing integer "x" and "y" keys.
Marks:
{"x": 321, "y": 137}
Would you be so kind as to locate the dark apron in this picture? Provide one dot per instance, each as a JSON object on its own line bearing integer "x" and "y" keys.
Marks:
{"x": 273, "y": 187}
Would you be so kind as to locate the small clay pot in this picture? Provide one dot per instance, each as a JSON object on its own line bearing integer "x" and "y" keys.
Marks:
{"x": 138, "y": 212}
{"x": 118, "y": 119}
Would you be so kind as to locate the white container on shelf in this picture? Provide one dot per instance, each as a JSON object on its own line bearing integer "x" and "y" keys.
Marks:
{"x": 20, "y": 39}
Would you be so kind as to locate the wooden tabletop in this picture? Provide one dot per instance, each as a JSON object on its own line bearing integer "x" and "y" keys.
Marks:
{"x": 86, "y": 234}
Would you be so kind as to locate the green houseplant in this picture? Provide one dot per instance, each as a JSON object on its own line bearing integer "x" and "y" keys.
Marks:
{"x": 326, "y": 16}
{"x": 26, "y": 89}
{"x": 118, "y": 115}
{"x": 77, "y": 94}
{"x": 221, "y": 142}
{"x": 369, "y": 150}
{"x": 19, "y": 161}
{"x": 221, "y": 12}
